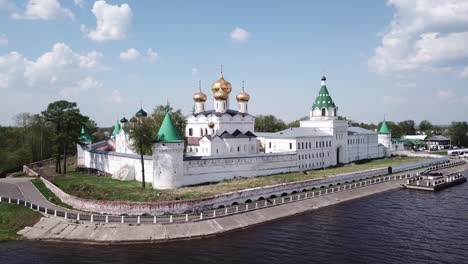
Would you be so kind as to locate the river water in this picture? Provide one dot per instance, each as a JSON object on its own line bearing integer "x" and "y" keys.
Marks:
{"x": 401, "y": 226}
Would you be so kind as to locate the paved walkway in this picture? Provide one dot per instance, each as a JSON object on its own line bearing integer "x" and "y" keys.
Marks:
{"x": 22, "y": 188}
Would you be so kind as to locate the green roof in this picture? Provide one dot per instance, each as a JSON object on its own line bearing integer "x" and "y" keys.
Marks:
{"x": 167, "y": 132}
{"x": 323, "y": 100}
{"x": 84, "y": 137}
{"x": 116, "y": 129}
{"x": 384, "y": 128}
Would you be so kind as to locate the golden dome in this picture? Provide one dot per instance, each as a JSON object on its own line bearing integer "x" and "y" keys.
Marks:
{"x": 243, "y": 96}
{"x": 211, "y": 124}
{"x": 199, "y": 96}
{"x": 221, "y": 95}
{"x": 221, "y": 84}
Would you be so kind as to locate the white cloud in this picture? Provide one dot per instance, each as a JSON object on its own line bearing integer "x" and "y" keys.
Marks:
{"x": 78, "y": 3}
{"x": 45, "y": 10}
{"x": 464, "y": 99}
{"x": 239, "y": 35}
{"x": 3, "y": 40}
{"x": 130, "y": 55}
{"x": 50, "y": 72}
{"x": 445, "y": 95}
{"x": 194, "y": 71}
{"x": 424, "y": 36}
{"x": 464, "y": 73}
{"x": 116, "y": 97}
{"x": 151, "y": 55}
{"x": 133, "y": 54}
{"x": 394, "y": 99}
{"x": 112, "y": 21}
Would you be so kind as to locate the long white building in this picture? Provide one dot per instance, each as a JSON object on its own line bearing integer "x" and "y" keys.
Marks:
{"x": 221, "y": 143}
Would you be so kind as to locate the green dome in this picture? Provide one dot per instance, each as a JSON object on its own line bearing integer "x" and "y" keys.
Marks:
{"x": 167, "y": 132}
{"x": 84, "y": 137}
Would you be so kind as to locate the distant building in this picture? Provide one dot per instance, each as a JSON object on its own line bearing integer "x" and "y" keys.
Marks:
{"x": 437, "y": 142}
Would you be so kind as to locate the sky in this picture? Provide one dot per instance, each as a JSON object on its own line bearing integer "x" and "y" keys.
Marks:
{"x": 397, "y": 58}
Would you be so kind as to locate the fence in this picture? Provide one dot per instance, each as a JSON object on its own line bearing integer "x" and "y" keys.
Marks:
{"x": 208, "y": 214}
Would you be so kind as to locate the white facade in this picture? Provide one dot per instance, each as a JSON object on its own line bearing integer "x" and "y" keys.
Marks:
{"x": 221, "y": 144}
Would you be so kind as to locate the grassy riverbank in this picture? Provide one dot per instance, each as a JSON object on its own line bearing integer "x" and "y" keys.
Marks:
{"x": 50, "y": 196}
{"x": 104, "y": 188}
{"x": 14, "y": 218}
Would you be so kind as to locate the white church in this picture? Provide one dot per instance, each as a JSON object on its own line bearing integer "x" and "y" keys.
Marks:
{"x": 221, "y": 143}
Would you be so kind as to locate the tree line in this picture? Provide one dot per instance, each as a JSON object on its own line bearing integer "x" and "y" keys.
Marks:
{"x": 55, "y": 131}
{"x": 456, "y": 131}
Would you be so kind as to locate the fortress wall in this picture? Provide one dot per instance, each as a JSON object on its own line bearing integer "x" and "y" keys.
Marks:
{"x": 110, "y": 162}
{"x": 218, "y": 169}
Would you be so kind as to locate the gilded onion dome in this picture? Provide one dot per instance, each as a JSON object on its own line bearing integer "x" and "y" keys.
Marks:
{"x": 211, "y": 124}
{"x": 221, "y": 95}
{"x": 243, "y": 96}
{"x": 199, "y": 96}
{"x": 222, "y": 84}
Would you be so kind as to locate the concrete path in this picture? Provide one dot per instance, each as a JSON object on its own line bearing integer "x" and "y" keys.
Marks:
{"x": 22, "y": 188}
{"x": 55, "y": 229}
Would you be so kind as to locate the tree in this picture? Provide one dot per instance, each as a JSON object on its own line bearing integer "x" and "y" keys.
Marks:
{"x": 458, "y": 132}
{"x": 269, "y": 123}
{"x": 425, "y": 126}
{"x": 408, "y": 127}
{"x": 297, "y": 123}
{"x": 142, "y": 135}
{"x": 67, "y": 121}
{"x": 177, "y": 118}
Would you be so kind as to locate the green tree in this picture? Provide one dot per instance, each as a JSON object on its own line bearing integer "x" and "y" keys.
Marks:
{"x": 142, "y": 137}
{"x": 408, "y": 127}
{"x": 458, "y": 132}
{"x": 269, "y": 123}
{"x": 425, "y": 125}
{"x": 296, "y": 123}
{"x": 66, "y": 120}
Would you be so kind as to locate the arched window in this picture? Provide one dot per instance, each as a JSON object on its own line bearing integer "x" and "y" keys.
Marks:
{"x": 334, "y": 112}
{"x": 201, "y": 131}
{"x": 190, "y": 132}
{"x": 206, "y": 131}
{"x": 323, "y": 111}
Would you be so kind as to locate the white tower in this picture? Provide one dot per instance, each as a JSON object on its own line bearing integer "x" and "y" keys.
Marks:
{"x": 385, "y": 138}
{"x": 243, "y": 100}
{"x": 168, "y": 154}
{"x": 200, "y": 99}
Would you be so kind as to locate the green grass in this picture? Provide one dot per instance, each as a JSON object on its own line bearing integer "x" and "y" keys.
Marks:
{"x": 104, "y": 188}
{"x": 20, "y": 175}
{"x": 50, "y": 196}
{"x": 441, "y": 152}
{"x": 14, "y": 218}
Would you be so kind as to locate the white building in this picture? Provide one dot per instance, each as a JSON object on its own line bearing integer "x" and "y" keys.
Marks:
{"x": 221, "y": 144}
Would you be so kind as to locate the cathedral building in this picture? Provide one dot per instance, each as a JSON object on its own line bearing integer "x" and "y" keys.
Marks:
{"x": 221, "y": 143}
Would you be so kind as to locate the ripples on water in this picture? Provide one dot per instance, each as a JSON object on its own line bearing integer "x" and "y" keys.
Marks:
{"x": 395, "y": 227}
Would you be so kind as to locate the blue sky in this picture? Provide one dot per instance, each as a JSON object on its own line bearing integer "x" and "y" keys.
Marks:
{"x": 401, "y": 59}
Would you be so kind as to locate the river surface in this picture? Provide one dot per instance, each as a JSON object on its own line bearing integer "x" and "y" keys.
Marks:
{"x": 401, "y": 226}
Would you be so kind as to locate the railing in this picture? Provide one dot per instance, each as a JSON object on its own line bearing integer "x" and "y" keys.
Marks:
{"x": 442, "y": 166}
{"x": 208, "y": 214}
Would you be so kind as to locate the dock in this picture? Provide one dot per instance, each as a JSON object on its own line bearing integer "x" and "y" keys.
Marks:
{"x": 439, "y": 177}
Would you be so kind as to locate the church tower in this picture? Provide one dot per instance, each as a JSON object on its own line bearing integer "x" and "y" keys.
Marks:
{"x": 221, "y": 90}
{"x": 385, "y": 138}
{"x": 243, "y": 100}
{"x": 168, "y": 154}
{"x": 199, "y": 98}
{"x": 323, "y": 107}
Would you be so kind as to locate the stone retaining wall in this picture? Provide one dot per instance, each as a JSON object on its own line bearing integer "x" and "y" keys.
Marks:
{"x": 155, "y": 208}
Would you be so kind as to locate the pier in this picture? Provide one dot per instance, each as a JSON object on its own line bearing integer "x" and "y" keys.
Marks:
{"x": 445, "y": 176}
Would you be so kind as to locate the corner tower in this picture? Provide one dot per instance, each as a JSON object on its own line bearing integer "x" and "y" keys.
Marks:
{"x": 168, "y": 154}
{"x": 385, "y": 137}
